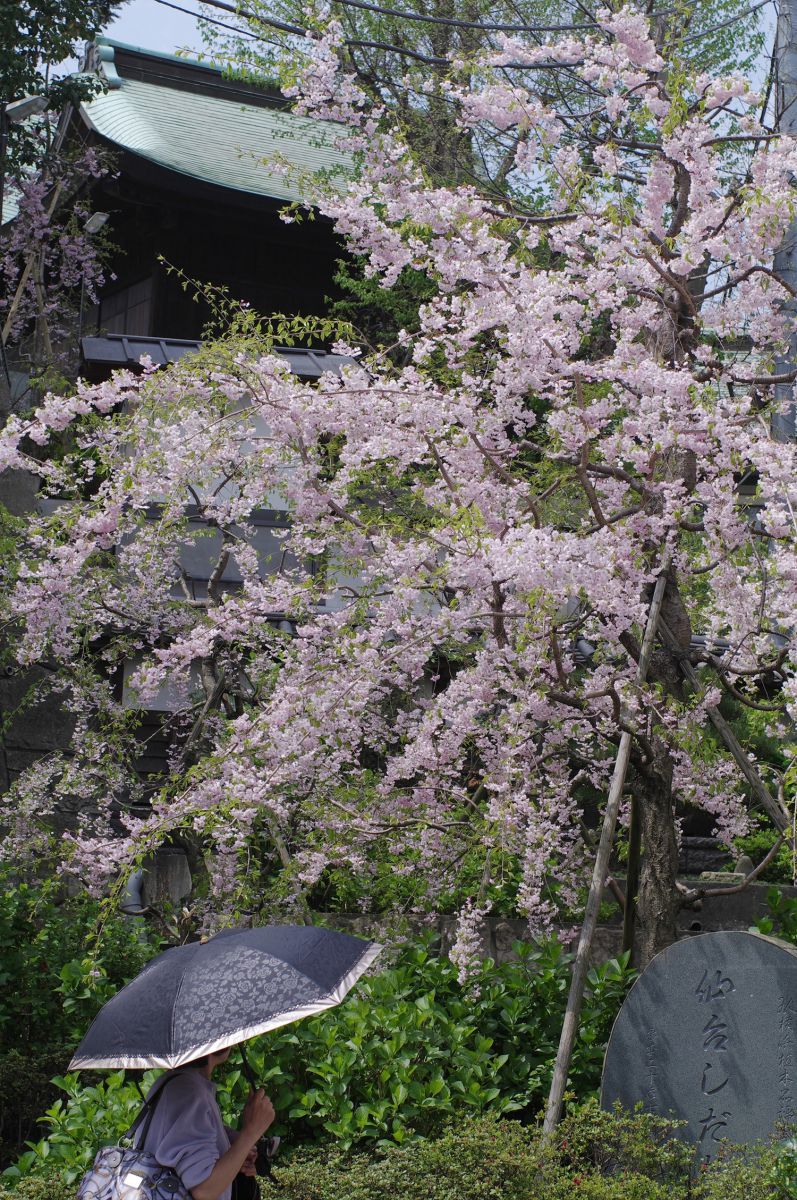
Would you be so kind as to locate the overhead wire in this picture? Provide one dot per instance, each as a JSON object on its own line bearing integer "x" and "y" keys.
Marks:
{"x": 212, "y": 21}
{"x": 748, "y": 12}
{"x": 456, "y": 22}
{"x": 406, "y": 52}
{"x": 358, "y": 43}
{"x": 460, "y": 23}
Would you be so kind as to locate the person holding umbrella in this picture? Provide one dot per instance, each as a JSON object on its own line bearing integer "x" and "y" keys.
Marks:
{"x": 184, "y": 1011}
{"x": 187, "y": 1133}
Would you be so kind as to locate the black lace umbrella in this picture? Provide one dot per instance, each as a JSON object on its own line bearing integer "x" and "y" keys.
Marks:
{"x": 204, "y": 996}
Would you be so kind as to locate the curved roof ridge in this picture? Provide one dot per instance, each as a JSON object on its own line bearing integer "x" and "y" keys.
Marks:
{"x": 249, "y": 143}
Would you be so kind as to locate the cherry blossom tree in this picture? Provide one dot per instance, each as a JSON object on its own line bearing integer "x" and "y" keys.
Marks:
{"x": 442, "y": 656}
{"x": 49, "y": 264}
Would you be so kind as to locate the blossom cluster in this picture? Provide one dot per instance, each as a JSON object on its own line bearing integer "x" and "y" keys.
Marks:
{"x": 442, "y": 652}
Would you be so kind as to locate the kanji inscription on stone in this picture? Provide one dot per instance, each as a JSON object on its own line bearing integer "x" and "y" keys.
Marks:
{"x": 708, "y": 1034}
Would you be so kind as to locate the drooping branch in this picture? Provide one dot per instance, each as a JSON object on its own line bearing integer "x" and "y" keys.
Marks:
{"x": 775, "y": 809}
{"x": 690, "y": 895}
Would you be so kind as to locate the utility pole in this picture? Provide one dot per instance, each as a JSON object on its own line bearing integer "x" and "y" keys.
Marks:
{"x": 784, "y": 425}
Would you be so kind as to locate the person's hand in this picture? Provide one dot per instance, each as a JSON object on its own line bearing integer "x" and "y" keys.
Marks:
{"x": 248, "y": 1165}
{"x": 258, "y": 1114}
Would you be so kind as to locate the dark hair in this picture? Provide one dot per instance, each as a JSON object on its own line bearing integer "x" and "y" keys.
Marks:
{"x": 199, "y": 1062}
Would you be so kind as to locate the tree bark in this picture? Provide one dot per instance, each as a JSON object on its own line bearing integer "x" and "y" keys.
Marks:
{"x": 658, "y": 900}
{"x": 599, "y": 873}
{"x": 632, "y": 878}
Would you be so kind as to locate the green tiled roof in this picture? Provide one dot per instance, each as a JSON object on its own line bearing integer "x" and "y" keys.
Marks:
{"x": 221, "y": 141}
{"x": 10, "y": 208}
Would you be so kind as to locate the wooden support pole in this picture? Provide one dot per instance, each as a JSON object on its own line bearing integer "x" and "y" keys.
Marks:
{"x": 29, "y": 267}
{"x": 600, "y": 870}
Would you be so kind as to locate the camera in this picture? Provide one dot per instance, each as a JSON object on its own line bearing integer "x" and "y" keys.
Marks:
{"x": 266, "y": 1152}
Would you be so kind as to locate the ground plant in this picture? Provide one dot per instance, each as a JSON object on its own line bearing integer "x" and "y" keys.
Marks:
{"x": 53, "y": 979}
{"x": 410, "y": 1049}
{"x": 595, "y": 1156}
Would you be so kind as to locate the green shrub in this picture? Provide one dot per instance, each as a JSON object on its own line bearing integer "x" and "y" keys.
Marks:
{"x": 407, "y": 1051}
{"x": 485, "y": 1158}
{"x": 53, "y": 1186}
{"x": 784, "y": 1168}
{"x": 757, "y": 845}
{"x": 781, "y": 918}
{"x": 593, "y": 1156}
{"x": 93, "y": 1115}
{"x": 413, "y": 1047}
{"x": 51, "y": 987}
{"x": 26, "y": 1090}
{"x": 635, "y": 1143}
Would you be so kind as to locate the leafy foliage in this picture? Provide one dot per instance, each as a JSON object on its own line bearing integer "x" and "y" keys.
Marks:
{"x": 595, "y": 1156}
{"x": 94, "y": 1114}
{"x": 51, "y": 984}
{"x": 402, "y": 63}
{"x": 782, "y": 917}
{"x": 784, "y": 1171}
{"x": 36, "y": 39}
{"x": 414, "y": 1046}
{"x": 757, "y": 845}
{"x": 53, "y": 979}
{"x": 410, "y": 1049}
{"x": 379, "y": 314}
{"x": 53, "y": 1186}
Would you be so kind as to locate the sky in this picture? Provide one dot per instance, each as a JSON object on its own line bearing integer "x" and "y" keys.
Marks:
{"x": 152, "y": 26}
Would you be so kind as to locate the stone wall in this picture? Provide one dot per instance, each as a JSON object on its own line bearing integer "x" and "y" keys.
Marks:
{"x": 168, "y": 879}
{"x": 737, "y": 911}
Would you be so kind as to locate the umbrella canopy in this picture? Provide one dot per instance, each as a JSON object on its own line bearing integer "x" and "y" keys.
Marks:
{"x": 194, "y": 999}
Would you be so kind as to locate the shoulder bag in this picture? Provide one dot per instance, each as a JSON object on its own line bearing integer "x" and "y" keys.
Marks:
{"x": 126, "y": 1172}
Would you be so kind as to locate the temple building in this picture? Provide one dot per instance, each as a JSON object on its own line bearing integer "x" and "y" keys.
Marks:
{"x": 201, "y": 169}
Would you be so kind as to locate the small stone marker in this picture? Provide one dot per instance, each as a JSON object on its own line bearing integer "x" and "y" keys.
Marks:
{"x": 708, "y": 1034}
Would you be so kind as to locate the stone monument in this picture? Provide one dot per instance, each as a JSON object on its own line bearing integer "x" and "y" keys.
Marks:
{"x": 708, "y": 1034}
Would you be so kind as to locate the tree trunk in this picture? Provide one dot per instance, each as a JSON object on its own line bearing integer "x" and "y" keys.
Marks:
{"x": 658, "y": 901}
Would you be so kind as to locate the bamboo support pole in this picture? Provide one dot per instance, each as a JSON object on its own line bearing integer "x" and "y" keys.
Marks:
{"x": 600, "y": 870}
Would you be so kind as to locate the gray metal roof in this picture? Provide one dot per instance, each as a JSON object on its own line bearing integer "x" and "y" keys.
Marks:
{"x": 116, "y": 350}
{"x": 205, "y": 135}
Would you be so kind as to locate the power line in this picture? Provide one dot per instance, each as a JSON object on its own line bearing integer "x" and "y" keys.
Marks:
{"x": 748, "y": 12}
{"x": 456, "y": 22}
{"x": 284, "y": 27}
{"x": 358, "y": 43}
{"x": 426, "y": 59}
{"x": 487, "y": 26}
{"x": 213, "y": 21}
{"x": 233, "y": 28}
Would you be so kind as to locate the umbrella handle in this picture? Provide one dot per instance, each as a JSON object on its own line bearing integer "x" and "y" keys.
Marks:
{"x": 247, "y": 1070}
